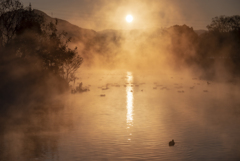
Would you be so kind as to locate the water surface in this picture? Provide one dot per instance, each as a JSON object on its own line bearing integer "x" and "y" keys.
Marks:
{"x": 133, "y": 116}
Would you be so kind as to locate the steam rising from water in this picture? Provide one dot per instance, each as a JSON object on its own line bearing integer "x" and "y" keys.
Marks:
{"x": 130, "y": 122}
{"x": 176, "y": 93}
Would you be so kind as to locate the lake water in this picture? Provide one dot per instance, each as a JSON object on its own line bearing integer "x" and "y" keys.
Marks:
{"x": 134, "y": 119}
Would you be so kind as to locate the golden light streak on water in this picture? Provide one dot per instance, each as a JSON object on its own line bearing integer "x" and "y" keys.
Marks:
{"x": 129, "y": 101}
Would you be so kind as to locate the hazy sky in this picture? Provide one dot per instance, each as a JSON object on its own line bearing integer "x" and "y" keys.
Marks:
{"x": 110, "y": 14}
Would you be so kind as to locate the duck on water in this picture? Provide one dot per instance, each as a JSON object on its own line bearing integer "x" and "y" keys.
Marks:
{"x": 171, "y": 143}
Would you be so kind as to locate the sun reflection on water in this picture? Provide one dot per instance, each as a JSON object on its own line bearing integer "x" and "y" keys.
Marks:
{"x": 129, "y": 99}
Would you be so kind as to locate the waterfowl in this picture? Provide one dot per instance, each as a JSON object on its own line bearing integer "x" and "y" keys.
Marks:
{"x": 171, "y": 143}
{"x": 164, "y": 88}
{"x": 73, "y": 91}
{"x": 180, "y": 91}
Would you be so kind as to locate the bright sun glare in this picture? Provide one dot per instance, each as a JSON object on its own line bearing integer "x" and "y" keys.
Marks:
{"x": 129, "y": 18}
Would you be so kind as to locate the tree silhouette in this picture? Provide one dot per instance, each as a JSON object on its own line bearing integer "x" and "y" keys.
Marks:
{"x": 70, "y": 67}
{"x": 9, "y": 18}
{"x": 26, "y": 36}
{"x": 225, "y": 24}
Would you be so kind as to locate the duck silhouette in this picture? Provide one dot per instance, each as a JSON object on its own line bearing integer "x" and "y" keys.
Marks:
{"x": 171, "y": 143}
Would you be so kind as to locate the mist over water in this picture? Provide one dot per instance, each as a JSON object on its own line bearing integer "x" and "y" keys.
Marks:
{"x": 141, "y": 112}
{"x": 118, "y": 94}
{"x": 137, "y": 117}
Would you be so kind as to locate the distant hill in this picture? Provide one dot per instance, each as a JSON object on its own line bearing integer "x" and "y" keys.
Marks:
{"x": 78, "y": 34}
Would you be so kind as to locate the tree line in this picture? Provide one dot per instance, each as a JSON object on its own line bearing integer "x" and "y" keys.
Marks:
{"x": 33, "y": 53}
{"x": 215, "y": 50}
{"x": 25, "y": 34}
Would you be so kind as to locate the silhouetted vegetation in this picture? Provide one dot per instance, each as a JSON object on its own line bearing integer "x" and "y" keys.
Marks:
{"x": 35, "y": 54}
{"x": 35, "y": 60}
{"x": 220, "y": 47}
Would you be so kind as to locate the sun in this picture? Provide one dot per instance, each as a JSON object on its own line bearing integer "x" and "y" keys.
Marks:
{"x": 129, "y": 18}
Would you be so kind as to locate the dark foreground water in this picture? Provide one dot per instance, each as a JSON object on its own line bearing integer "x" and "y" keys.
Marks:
{"x": 134, "y": 119}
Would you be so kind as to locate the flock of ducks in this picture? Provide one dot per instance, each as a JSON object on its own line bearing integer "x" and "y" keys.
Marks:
{"x": 179, "y": 87}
